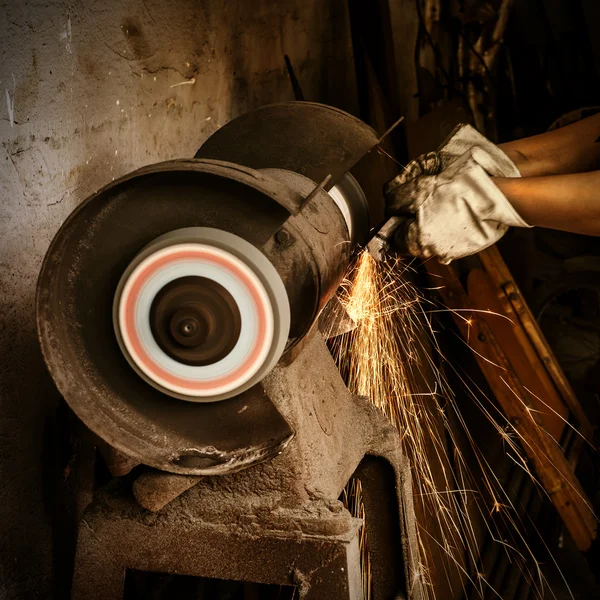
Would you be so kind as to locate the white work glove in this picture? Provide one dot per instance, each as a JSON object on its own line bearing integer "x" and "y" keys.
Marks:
{"x": 453, "y": 207}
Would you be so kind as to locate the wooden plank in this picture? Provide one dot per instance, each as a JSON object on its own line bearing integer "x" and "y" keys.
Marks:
{"x": 547, "y": 459}
{"x": 513, "y": 339}
{"x": 499, "y": 272}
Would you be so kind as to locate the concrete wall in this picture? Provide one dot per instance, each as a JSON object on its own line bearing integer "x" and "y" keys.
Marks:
{"x": 90, "y": 90}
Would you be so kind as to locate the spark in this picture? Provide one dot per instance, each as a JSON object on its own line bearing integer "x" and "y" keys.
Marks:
{"x": 393, "y": 346}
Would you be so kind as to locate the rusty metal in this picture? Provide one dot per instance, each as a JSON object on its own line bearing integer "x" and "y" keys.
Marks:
{"x": 97, "y": 242}
{"x": 312, "y": 139}
{"x": 153, "y": 490}
{"x": 315, "y": 255}
{"x": 117, "y": 463}
{"x": 323, "y": 143}
{"x": 290, "y": 550}
{"x": 76, "y": 287}
{"x": 280, "y": 522}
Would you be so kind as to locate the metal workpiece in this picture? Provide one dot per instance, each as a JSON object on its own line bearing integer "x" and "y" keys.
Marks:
{"x": 389, "y": 237}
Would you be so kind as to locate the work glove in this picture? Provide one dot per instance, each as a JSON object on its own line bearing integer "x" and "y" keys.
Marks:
{"x": 451, "y": 204}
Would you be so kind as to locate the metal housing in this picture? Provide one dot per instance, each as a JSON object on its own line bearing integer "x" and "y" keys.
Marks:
{"x": 307, "y": 244}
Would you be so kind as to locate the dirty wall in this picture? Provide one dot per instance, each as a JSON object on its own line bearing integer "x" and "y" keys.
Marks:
{"x": 88, "y": 92}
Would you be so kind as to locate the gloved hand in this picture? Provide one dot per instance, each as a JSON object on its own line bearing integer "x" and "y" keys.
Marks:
{"x": 453, "y": 207}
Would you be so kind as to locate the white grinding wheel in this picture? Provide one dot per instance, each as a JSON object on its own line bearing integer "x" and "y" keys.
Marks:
{"x": 201, "y": 314}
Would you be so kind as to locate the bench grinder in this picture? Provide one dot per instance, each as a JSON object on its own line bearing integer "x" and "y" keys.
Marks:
{"x": 178, "y": 313}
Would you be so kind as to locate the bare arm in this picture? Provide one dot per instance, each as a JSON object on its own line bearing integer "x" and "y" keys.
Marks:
{"x": 565, "y": 202}
{"x": 571, "y": 149}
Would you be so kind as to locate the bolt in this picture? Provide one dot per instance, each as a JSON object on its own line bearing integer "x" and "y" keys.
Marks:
{"x": 481, "y": 337}
{"x": 188, "y": 327}
{"x": 284, "y": 238}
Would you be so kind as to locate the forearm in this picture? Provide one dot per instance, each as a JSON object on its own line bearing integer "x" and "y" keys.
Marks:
{"x": 571, "y": 149}
{"x": 566, "y": 202}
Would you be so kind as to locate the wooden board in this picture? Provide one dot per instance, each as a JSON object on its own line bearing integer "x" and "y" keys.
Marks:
{"x": 549, "y": 463}
{"x": 513, "y": 339}
{"x": 496, "y": 268}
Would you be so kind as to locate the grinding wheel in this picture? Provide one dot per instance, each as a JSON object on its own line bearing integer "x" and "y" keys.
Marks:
{"x": 201, "y": 314}
{"x": 188, "y": 280}
{"x": 314, "y": 140}
{"x": 87, "y": 267}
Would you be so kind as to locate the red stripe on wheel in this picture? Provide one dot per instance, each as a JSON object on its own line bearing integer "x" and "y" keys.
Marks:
{"x": 150, "y": 365}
